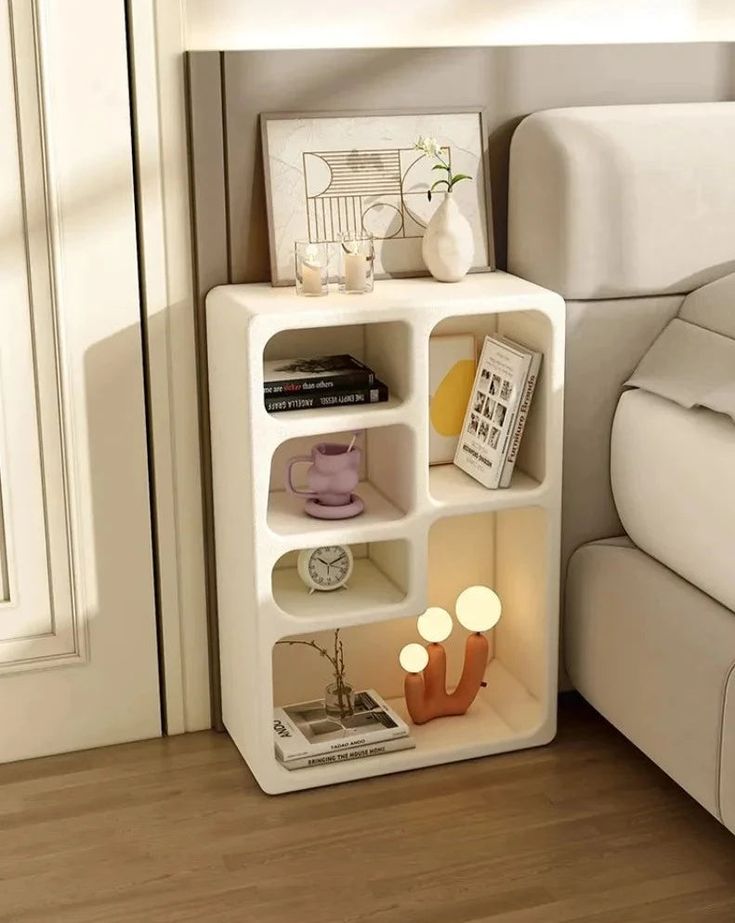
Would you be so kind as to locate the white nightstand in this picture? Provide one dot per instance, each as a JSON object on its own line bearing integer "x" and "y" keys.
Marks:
{"x": 426, "y": 534}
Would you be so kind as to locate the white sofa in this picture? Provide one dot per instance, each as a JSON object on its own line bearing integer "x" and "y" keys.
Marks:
{"x": 629, "y": 213}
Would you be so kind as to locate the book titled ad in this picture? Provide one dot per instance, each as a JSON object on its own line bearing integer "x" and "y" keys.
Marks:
{"x": 306, "y": 730}
{"x": 322, "y": 373}
{"x": 306, "y": 400}
{"x": 490, "y": 432}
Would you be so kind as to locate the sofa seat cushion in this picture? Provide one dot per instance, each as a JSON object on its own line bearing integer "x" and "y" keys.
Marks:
{"x": 673, "y": 480}
{"x": 655, "y": 656}
{"x": 727, "y": 771}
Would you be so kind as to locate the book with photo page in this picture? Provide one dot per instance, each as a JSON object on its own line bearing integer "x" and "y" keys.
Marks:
{"x": 497, "y": 411}
{"x": 305, "y": 731}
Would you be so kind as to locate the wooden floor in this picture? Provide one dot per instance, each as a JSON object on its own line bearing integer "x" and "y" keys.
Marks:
{"x": 169, "y": 830}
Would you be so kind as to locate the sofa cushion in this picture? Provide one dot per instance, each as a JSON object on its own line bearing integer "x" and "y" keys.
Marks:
{"x": 623, "y": 201}
{"x": 727, "y": 768}
{"x": 673, "y": 480}
{"x": 653, "y": 654}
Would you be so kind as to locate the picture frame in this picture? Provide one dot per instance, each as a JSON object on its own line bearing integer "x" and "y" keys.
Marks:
{"x": 330, "y": 172}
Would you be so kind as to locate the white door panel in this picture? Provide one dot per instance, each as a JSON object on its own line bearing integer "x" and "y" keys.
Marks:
{"x": 78, "y": 659}
{"x": 33, "y": 625}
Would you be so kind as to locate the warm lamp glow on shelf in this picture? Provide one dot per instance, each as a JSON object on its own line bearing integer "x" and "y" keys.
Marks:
{"x": 435, "y": 625}
{"x": 413, "y": 658}
{"x": 478, "y": 609}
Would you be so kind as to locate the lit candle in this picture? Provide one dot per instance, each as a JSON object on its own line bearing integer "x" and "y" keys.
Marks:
{"x": 355, "y": 272}
{"x": 311, "y": 278}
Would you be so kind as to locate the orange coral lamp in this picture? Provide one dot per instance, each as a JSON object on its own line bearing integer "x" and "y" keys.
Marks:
{"x": 478, "y": 609}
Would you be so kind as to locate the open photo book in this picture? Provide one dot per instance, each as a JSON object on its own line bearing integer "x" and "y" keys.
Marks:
{"x": 307, "y": 730}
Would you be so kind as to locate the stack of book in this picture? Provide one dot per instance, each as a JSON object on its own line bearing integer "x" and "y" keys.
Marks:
{"x": 497, "y": 411}
{"x": 323, "y": 381}
{"x": 306, "y": 735}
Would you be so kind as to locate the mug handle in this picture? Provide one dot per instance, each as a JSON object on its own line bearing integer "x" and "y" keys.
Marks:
{"x": 289, "y": 477}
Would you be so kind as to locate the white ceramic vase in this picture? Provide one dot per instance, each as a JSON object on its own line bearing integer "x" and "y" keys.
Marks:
{"x": 448, "y": 246}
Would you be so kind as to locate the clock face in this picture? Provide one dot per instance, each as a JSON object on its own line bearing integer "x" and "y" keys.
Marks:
{"x": 329, "y": 566}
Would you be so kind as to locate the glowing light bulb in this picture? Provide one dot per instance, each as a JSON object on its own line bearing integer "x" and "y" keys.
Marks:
{"x": 435, "y": 625}
{"x": 413, "y": 658}
{"x": 478, "y": 608}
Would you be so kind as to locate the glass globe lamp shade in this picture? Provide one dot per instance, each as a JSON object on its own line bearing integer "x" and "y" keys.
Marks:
{"x": 413, "y": 658}
{"x": 478, "y": 608}
{"x": 435, "y": 625}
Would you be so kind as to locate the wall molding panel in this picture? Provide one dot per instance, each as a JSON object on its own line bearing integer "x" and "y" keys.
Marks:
{"x": 157, "y": 32}
{"x": 4, "y": 583}
{"x": 41, "y": 620}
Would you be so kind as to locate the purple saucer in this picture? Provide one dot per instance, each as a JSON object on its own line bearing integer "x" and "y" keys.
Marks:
{"x": 320, "y": 511}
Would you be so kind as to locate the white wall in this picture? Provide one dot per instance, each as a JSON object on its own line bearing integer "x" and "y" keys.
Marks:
{"x": 243, "y": 24}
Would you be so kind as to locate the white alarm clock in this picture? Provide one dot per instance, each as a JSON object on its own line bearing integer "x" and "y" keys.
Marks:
{"x": 328, "y": 567}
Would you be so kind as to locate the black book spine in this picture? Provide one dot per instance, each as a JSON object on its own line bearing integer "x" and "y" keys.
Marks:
{"x": 375, "y": 394}
{"x": 348, "y": 381}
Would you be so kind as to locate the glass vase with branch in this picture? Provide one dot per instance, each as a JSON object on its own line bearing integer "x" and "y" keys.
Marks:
{"x": 339, "y": 696}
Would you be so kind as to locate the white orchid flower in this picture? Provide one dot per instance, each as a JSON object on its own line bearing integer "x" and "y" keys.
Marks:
{"x": 429, "y": 146}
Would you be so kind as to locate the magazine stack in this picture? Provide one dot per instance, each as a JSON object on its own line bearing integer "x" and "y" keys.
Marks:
{"x": 323, "y": 381}
{"x": 306, "y": 735}
{"x": 496, "y": 414}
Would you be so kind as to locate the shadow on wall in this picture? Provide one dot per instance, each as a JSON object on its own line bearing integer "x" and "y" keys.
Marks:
{"x": 117, "y": 530}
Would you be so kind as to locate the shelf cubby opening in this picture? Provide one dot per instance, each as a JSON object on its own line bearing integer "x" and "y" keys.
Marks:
{"x": 385, "y": 346}
{"x": 504, "y": 550}
{"x": 387, "y": 485}
{"x": 379, "y": 584}
{"x": 448, "y": 485}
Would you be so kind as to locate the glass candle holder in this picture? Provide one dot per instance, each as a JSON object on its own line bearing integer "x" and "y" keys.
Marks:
{"x": 356, "y": 262}
{"x": 312, "y": 268}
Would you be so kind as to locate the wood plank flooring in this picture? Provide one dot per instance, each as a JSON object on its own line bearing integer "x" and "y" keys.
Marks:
{"x": 176, "y": 830}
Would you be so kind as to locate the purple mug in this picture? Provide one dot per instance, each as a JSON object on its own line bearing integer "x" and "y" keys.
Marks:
{"x": 332, "y": 476}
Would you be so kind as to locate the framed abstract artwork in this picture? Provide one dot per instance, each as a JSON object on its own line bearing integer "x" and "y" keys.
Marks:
{"x": 330, "y": 173}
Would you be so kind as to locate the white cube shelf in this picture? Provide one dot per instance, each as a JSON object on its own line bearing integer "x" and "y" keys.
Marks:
{"x": 427, "y": 532}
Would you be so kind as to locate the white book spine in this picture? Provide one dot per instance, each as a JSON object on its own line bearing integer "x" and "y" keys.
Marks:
{"x": 353, "y": 753}
{"x": 519, "y": 423}
{"x": 287, "y": 755}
